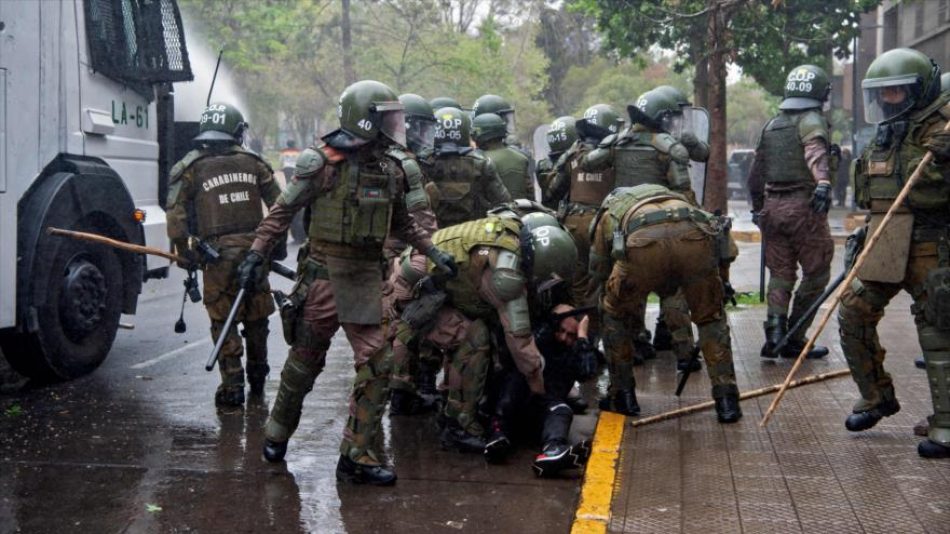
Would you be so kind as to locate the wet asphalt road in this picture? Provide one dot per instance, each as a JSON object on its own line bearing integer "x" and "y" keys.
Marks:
{"x": 138, "y": 446}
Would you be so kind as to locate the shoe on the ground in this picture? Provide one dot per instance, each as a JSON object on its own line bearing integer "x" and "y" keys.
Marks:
{"x": 920, "y": 363}
{"x": 229, "y": 396}
{"x": 643, "y": 350}
{"x": 693, "y": 364}
{"x": 662, "y": 337}
{"x": 497, "y": 446}
{"x": 623, "y": 402}
{"x": 864, "y": 420}
{"x": 922, "y": 428}
{"x": 364, "y": 473}
{"x": 556, "y": 456}
{"x": 794, "y": 347}
{"x": 455, "y": 437}
{"x": 931, "y": 449}
{"x": 402, "y": 402}
{"x": 727, "y": 408}
{"x": 274, "y": 451}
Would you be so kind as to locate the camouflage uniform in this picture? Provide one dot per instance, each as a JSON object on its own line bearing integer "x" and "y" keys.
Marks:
{"x": 215, "y": 194}
{"x": 361, "y": 195}
{"x": 485, "y": 250}
{"x": 791, "y": 158}
{"x": 641, "y": 156}
{"x": 649, "y": 238}
{"x": 912, "y": 255}
{"x": 465, "y": 183}
{"x": 512, "y": 167}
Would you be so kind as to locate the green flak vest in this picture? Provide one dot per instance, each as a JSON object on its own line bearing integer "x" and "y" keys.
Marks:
{"x": 457, "y": 177}
{"x": 227, "y": 197}
{"x": 636, "y": 161}
{"x": 459, "y": 240}
{"x": 512, "y": 168}
{"x": 783, "y": 152}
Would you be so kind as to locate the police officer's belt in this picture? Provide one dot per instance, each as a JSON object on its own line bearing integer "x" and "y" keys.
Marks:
{"x": 684, "y": 213}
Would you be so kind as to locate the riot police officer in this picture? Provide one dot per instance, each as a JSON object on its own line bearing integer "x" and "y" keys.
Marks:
{"x": 792, "y": 170}
{"x": 650, "y": 238}
{"x": 560, "y": 136}
{"x": 215, "y": 195}
{"x": 902, "y": 96}
{"x": 466, "y": 182}
{"x": 364, "y": 186}
{"x": 488, "y": 130}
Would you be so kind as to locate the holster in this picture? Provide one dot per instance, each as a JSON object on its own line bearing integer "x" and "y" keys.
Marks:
{"x": 421, "y": 311}
{"x": 291, "y": 309}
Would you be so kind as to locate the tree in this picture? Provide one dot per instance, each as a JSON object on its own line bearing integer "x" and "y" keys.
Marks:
{"x": 764, "y": 37}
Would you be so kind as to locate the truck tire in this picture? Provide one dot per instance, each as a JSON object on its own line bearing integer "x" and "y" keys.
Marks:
{"x": 76, "y": 301}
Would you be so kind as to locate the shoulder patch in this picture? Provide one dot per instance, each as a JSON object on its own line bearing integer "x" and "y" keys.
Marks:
{"x": 664, "y": 142}
{"x": 812, "y": 125}
{"x": 607, "y": 141}
{"x": 309, "y": 163}
{"x": 192, "y": 156}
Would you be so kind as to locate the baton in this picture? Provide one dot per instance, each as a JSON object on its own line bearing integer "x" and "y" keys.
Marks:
{"x": 810, "y": 313}
{"x": 694, "y": 357}
{"x": 224, "y": 331}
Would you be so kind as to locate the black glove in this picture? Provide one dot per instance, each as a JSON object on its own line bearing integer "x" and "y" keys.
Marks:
{"x": 444, "y": 261}
{"x": 939, "y": 144}
{"x": 728, "y": 294}
{"x": 689, "y": 139}
{"x": 251, "y": 273}
{"x": 279, "y": 252}
{"x": 587, "y": 359}
{"x": 821, "y": 198}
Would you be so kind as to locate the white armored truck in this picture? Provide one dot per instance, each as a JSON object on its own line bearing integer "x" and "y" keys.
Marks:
{"x": 87, "y": 135}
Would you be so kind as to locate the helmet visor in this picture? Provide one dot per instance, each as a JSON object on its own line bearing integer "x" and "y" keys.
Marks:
{"x": 509, "y": 117}
{"x": 420, "y": 133}
{"x": 672, "y": 123}
{"x": 888, "y": 98}
{"x": 393, "y": 125}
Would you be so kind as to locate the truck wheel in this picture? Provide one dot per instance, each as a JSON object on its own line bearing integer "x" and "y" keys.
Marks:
{"x": 76, "y": 294}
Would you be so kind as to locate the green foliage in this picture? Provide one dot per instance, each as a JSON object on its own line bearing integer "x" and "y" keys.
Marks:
{"x": 14, "y": 410}
{"x": 288, "y": 56}
{"x": 750, "y": 107}
{"x": 766, "y": 42}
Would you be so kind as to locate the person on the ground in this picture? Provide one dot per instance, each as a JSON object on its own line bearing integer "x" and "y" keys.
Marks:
{"x": 902, "y": 96}
{"x": 216, "y": 195}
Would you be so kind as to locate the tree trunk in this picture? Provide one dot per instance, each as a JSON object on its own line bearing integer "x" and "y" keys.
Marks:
{"x": 716, "y": 168}
{"x": 701, "y": 78}
{"x": 347, "y": 43}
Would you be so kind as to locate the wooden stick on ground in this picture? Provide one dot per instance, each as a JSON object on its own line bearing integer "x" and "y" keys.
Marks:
{"x": 115, "y": 243}
{"x": 747, "y": 395}
{"x": 898, "y": 202}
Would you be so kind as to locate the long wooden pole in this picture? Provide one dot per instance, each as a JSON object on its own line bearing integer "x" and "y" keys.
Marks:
{"x": 898, "y": 202}
{"x": 108, "y": 241}
{"x": 686, "y": 410}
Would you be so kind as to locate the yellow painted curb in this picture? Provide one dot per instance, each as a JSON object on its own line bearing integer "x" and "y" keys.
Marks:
{"x": 593, "y": 510}
{"x": 746, "y": 236}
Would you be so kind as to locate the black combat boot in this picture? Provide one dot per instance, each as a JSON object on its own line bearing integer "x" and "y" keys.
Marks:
{"x": 727, "y": 404}
{"x": 662, "y": 337}
{"x": 257, "y": 377}
{"x": 642, "y": 351}
{"x": 555, "y": 456}
{"x": 929, "y": 448}
{"x": 776, "y": 326}
{"x": 624, "y": 401}
{"x": 794, "y": 347}
{"x": 453, "y": 436}
{"x": 866, "y": 419}
{"x": 403, "y": 402}
{"x": 229, "y": 396}
{"x": 274, "y": 451}
{"x": 356, "y": 473}
{"x": 498, "y": 445}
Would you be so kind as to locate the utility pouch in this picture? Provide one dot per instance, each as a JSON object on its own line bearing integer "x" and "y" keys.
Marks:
{"x": 618, "y": 250}
{"x": 937, "y": 308}
{"x": 421, "y": 311}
